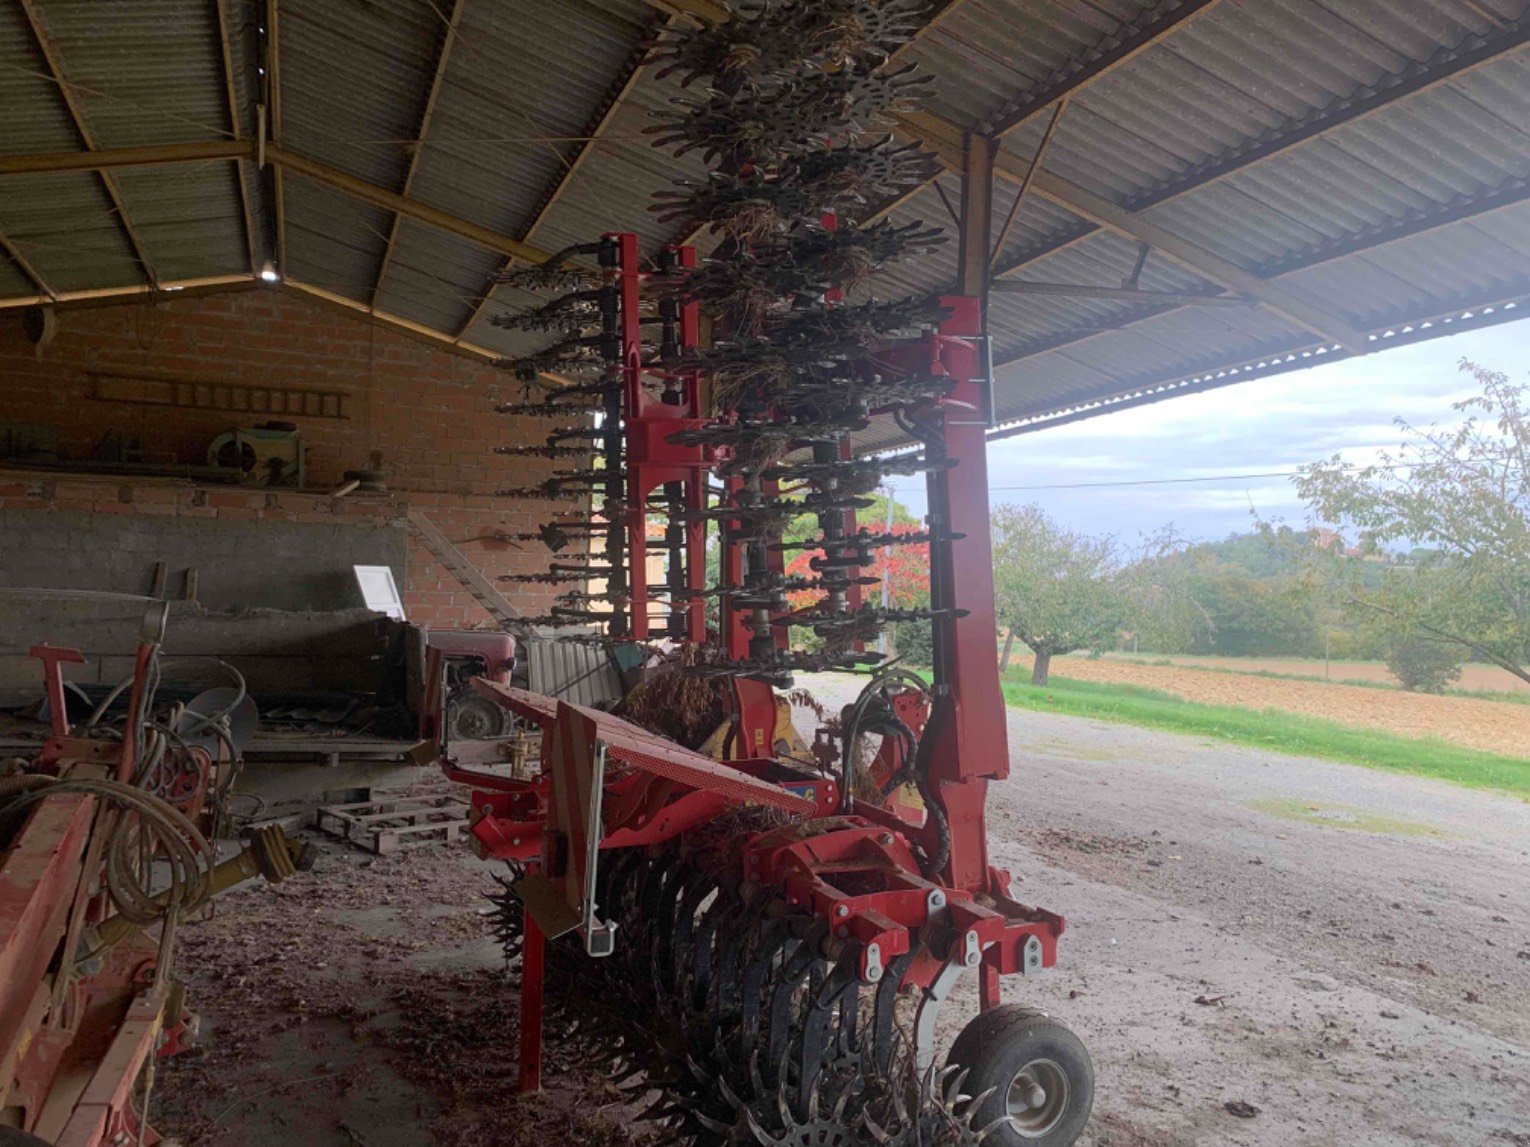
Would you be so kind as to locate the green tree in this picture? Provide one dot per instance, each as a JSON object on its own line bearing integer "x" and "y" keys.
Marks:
{"x": 1422, "y": 665}
{"x": 1253, "y": 617}
{"x": 1056, "y": 589}
{"x": 1463, "y": 492}
{"x": 1167, "y": 616}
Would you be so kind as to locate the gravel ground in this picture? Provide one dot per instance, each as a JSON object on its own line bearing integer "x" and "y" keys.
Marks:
{"x": 1363, "y": 938}
{"x": 1359, "y": 942}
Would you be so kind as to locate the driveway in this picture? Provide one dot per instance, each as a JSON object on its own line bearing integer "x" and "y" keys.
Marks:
{"x": 1359, "y": 941}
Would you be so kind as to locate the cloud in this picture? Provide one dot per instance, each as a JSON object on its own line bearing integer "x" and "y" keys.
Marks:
{"x": 1273, "y": 424}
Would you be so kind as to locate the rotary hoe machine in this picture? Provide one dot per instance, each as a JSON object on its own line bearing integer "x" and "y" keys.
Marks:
{"x": 751, "y": 930}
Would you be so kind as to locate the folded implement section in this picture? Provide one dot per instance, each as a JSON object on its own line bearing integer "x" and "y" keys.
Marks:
{"x": 774, "y": 968}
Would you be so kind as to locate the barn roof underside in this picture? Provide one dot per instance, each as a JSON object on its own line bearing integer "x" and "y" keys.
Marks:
{"x": 1356, "y": 171}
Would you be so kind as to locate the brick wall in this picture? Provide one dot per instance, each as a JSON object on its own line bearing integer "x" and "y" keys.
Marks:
{"x": 426, "y": 413}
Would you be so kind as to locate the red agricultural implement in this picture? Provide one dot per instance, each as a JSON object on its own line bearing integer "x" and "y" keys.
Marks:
{"x": 759, "y": 933}
{"x": 777, "y": 945}
{"x": 105, "y": 846}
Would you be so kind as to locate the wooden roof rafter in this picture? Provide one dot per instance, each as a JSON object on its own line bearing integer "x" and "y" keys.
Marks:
{"x": 565, "y": 178}
{"x": 438, "y": 79}
{"x": 54, "y": 60}
{"x": 226, "y": 54}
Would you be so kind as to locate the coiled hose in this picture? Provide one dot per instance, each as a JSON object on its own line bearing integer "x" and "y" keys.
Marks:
{"x": 916, "y": 755}
{"x": 139, "y": 826}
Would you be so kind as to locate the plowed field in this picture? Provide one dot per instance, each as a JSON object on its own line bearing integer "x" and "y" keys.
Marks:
{"x": 1482, "y": 678}
{"x": 1492, "y": 726}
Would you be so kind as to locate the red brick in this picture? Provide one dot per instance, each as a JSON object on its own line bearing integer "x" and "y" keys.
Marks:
{"x": 427, "y": 413}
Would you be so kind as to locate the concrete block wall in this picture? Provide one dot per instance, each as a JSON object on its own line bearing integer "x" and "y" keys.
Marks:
{"x": 426, "y": 413}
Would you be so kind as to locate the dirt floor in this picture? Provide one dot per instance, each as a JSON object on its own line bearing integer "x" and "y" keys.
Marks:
{"x": 1492, "y": 726}
{"x": 365, "y": 1004}
{"x": 1346, "y": 951}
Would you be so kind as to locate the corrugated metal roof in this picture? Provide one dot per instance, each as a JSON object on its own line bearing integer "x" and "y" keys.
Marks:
{"x": 143, "y": 72}
{"x": 12, "y": 281}
{"x": 188, "y": 217}
{"x": 1358, "y": 216}
{"x": 999, "y": 49}
{"x": 354, "y": 79}
{"x": 64, "y": 226}
{"x": 32, "y": 117}
{"x": 614, "y": 189}
{"x": 523, "y": 86}
{"x": 435, "y": 279}
{"x": 333, "y": 241}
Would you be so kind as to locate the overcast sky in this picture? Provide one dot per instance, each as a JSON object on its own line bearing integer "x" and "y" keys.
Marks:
{"x": 1267, "y": 425}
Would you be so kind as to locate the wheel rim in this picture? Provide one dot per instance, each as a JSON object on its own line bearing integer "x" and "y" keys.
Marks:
{"x": 473, "y": 719}
{"x": 1038, "y": 1096}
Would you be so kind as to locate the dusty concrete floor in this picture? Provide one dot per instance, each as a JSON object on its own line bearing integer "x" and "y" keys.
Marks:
{"x": 1363, "y": 940}
{"x": 1366, "y": 938}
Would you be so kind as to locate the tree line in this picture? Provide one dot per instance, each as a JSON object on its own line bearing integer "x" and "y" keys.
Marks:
{"x": 1423, "y": 560}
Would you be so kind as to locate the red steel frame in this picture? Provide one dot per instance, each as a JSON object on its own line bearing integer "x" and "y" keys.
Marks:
{"x": 103, "y": 1025}
{"x": 662, "y": 790}
{"x": 652, "y": 461}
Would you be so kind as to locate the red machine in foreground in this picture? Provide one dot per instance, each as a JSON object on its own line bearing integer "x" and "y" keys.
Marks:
{"x": 759, "y": 933}
{"x": 771, "y": 948}
{"x": 90, "y": 829}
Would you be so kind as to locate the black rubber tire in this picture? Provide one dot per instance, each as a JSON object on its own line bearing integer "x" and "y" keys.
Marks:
{"x": 10, "y": 1137}
{"x": 997, "y": 1044}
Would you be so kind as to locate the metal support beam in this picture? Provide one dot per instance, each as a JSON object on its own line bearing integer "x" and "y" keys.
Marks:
{"x": 1472, "y": 205}
{"x": 976, "y": 218}
{"x": 54, "y": 59}
{"x": 207, "y": 285}
{"x": 111, "y": 158}
{"x": 1128, "y": 42}
{"x": 392, "y": 201}
{"x": 226, "y": 51}
{"x": 281, "y": 158}
{"x": 945, "y": 139}
{"x": 272, "y": 123}
{"x": 1444, "y": 66}
{"x": 1130, "y": 294}
{"x": 1036, "y": 161}
{"x": 1164, "y": 387}
{"x": 439, "y": 77}
{"x": 1509, "y": 194}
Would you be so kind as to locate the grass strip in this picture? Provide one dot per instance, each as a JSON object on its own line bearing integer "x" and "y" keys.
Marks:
{"x": 1275, "y": 730}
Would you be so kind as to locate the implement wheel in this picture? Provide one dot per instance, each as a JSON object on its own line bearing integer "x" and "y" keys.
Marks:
{"x": 1040, "y": 1073}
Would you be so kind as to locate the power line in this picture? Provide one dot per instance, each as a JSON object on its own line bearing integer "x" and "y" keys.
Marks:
{"x": 1206, "y": 478}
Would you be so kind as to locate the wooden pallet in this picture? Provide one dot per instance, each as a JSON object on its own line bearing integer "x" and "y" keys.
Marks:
{"x": 385, "y": 826}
